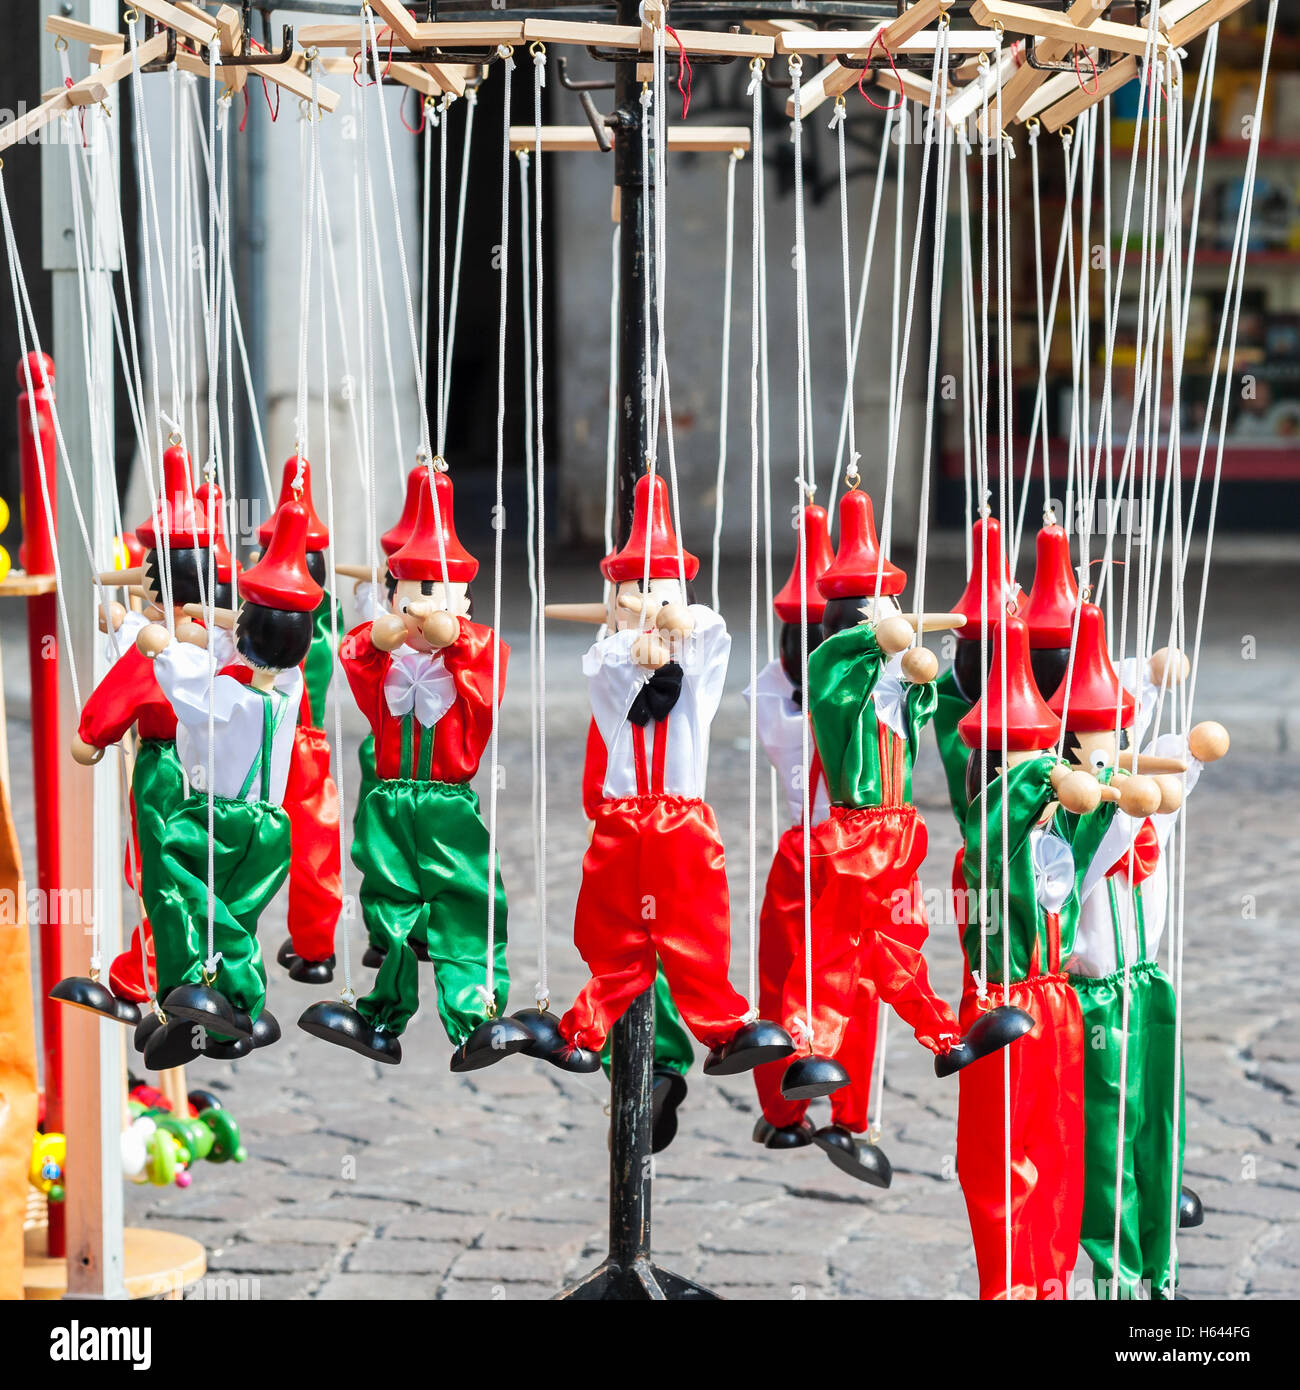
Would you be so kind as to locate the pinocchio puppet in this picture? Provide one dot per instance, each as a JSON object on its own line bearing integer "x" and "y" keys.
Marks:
{"x": 423, "y": 677}
{"x": 868, "y": 703}
{"x": 654, "y": 883}
{"x": 782, "y": 724}
{"x": 226, "y": 850}
{"x": 1032, "y": 828}
{"x": 174, "y": 572}
{"x": 311, "y": 798}
{"x": 1124, "y": 898}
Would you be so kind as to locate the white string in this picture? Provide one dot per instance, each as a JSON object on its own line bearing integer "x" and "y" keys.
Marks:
{"x": 498, "y": 517}
{"x": 611, "y": 422}
{"x": 724, "y": 388}
{"x": 467, "y": 140}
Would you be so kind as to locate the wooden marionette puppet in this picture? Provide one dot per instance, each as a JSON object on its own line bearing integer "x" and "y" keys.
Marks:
{"x": 1032, "y": 829}
{"x": 1124, "y": 900}
{"x": 235, "y": 737}
{"x": 422, "y": 675}
{"x": 988, "y": 593}
{"x": 654, "y": 884}
{"x": 311, "y": 798}
{"x": 371, "y": 599}
{"x": 868, "y": 702}
{"x": 174, "y": 571}
{"x": 781, "y": 720}
{"x": 674, "y": 1052}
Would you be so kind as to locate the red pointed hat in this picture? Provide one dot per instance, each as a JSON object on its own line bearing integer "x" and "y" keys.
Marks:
{"x": 1095, "y": 692}
{"x": 987, "y": 559}
{"x": 852, "y": 573}
{"x": 280, "y": 578}
{"x": 318, "y": 536}
{"x": 820, "y": 554}
{"x": 397, "y": 535}
{"x": 132, "y": 549}
{"x": 211, "y": 499}
{"x": 184, "y": 521}
{"x": 1049, "y": 609}
{"x": 32, "y": 363}
{"x": 1029, "y": 722}
{"x": 420, "y": 557}
{"x": 652, "y": 530}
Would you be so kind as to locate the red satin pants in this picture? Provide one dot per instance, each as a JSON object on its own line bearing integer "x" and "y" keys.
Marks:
{"x": 311, "y": 800}
{"x": 654, "y": 887}
{"x": 781, "y": 955}
{"x": 869, "y": 924}
{"x": 1046, "y": 1156}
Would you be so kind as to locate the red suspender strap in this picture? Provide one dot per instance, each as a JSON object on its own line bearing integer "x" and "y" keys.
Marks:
{"x": 660, "y": 756}
{"x": 638, "y": 760}
{"x": 1053, "y": 943}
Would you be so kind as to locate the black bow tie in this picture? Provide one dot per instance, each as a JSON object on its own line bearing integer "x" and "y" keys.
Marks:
{"x": 657, "y": 696}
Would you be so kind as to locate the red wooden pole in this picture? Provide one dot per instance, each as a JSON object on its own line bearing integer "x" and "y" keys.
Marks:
{"x": 38, "y": 453}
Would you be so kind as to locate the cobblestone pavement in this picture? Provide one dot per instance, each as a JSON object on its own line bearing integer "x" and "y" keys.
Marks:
{"x": 371, "y": 1182}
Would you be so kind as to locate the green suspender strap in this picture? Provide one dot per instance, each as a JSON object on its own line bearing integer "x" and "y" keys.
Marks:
{"x": 1139, "y": 921}
{"x": 274, "y": 707}
{"x": 417, "y": 750}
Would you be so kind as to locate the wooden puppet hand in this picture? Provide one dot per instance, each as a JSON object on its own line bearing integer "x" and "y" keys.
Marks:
{"x": 85, "y": 753}
{"x": 894, "y": 635}
{"x": 1168, "y": 663}
{"x": 1078, "y": 792}
{"x": 187, "y": 630}
{"x": 674, "y": 621}
{"x": 388, "y": 632}
{"x": 152, "y": 639}
{"x": 650, "y": 651}
{"x": 116, "y": 616}
{"x": 1207, "y": 741}
{"x": 440, "y": 629}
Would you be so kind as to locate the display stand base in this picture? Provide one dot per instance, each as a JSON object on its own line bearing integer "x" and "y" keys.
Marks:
{"x": 157, "y": 1264}
{"x": 641, "y": 1280}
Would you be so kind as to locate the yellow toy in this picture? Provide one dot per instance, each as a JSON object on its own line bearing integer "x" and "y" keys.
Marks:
{"x": 49, "y": 1156}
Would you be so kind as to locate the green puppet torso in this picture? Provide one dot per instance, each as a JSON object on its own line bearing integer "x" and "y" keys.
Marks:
{"x": 866, "y": 762}
{"x": 318, "y": 668}
{"x": 1027, "y": 944}
{"x": 950, "y": 706}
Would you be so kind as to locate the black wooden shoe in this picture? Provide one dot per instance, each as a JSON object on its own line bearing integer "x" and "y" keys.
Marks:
{"x": 374, "y": 957}
{"x": 262, "y": 1033}
{"x": 226, "y": 1049}
{"x": 149, "y": 1024}
{"x": 857, "y": 1157}
{"x": 989, "y": 1033}
{"x": 336, "y": 1022}
{"x": 286, "y": 955}
{"x": 312, "y": 972}
{"x": 1190, "y": 1211}
{"x": 784, "y": 1137}
{"x": 492, "y": 1041}
{"x": 667, "y": 1092}
{"x": 810, "y": 1078}
{"x": 203, "y": 1005}
{"x": 548, "y": 1044}
{"x": 749, "y": 1046}
{"x": 81, "y": 992}
{"x": 173, "y": 1044}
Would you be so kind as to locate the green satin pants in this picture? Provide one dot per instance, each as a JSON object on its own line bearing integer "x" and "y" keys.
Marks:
{"x": 422, "y": 850}
{"x": 1148, "y": 1150}
{"x": 251, "y": 850}
{"x": 370, "y": 780}
{"x": 157, "y": 791}
{"x": 673, "y": 1048}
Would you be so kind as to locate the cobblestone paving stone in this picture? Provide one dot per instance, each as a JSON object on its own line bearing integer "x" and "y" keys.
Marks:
{"x": 373, "y": 1182}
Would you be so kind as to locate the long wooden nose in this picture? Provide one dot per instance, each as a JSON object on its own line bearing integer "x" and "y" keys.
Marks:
{"x": 116, "y": 579}
{"x": 223, "y": 617}
{"x": 1150, "y": 765}
{"x": 578, "y": 612}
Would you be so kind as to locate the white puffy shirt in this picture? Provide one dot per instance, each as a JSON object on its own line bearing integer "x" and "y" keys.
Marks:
{"x": 780, "y": 730}
{"x": 183, "y": 672}
{"x": 614, "y": 680}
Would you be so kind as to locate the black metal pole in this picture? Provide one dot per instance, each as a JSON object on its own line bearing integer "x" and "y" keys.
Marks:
{"x": 628, "y": 1272}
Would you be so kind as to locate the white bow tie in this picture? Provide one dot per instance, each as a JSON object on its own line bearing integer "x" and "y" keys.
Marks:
{"x": 1053, "y": 869}
{"x": 890, "y": 697}
{"x": 418, "y": 681}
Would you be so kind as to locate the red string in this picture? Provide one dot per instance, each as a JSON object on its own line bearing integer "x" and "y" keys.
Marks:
{"x": 880, "y": 39}
{"x": 266, "y": 91}
{"x": 683, "y": 71}
{"x": 1078, "y": 72}
{"x": 388, "y": 66}
{"x": 401, "y": 113}
{"x": 81, "y": 113}
{"x": 243, "y": 120}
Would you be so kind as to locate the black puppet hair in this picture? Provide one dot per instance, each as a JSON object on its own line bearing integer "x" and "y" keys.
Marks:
{"x": 843, "y": 612}
{"x": 981, "y": 769}
{"x": 272, "y": 637}
{"x": 1049, "y": 665}
{"x": 792, "y": 656}
{"x": 189, "y": 575}
{"x": 316, "y": 566}
{"x": 966, "y": 670}
{"x": 223, "y": 595}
